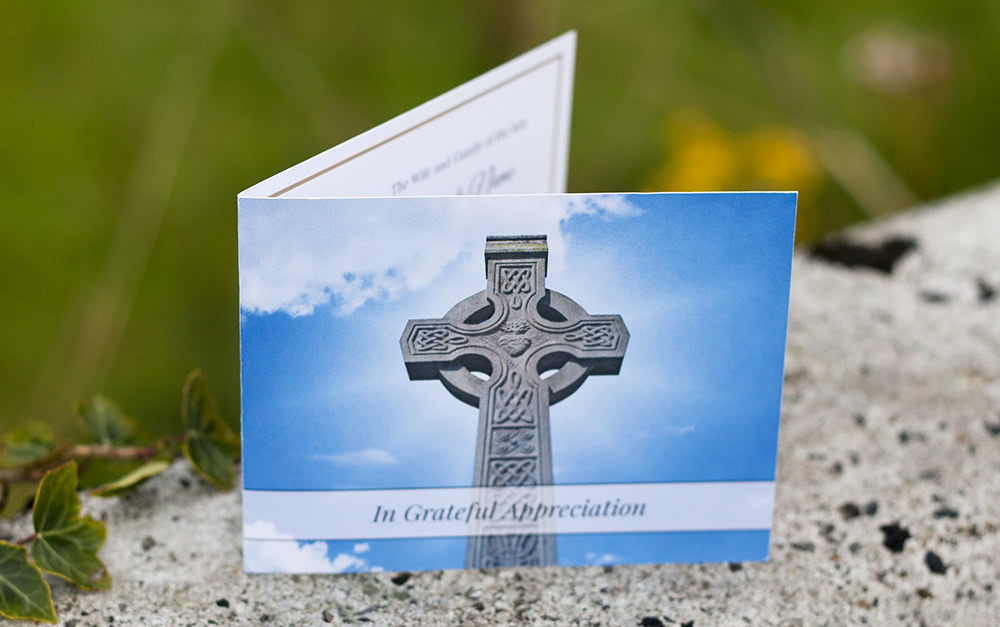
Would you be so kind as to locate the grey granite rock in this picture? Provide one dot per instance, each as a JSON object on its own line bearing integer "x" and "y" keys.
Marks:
{"x": 891, "y": 416}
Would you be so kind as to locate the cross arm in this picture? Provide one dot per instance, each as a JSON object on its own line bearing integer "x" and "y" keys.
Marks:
{"x": 597, "y": 341}
{"x": 429, "y": 344}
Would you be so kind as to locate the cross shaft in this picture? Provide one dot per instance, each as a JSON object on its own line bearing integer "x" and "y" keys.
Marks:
{"x": 490, "y": 351}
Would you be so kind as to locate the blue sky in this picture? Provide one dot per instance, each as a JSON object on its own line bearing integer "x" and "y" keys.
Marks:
{"x": 701, "y": 281}
{"x": 449, "y": 553}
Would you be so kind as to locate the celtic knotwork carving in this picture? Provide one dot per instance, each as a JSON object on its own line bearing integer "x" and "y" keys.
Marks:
{"x": 516, "y": 281}
{"x": 515, "y": 401}
{"x": 511, "y": 551}
{"x": 513, "y": 473}
{"x": 436, "y": 340}
{"x": 601, "y": 335}
{"x": 514, "y": 442}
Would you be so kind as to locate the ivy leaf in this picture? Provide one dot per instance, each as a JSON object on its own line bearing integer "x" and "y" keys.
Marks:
{"x": 105, "y": 421}
{"x": 17, "y": 499}
{"x": 200, "y": 413}
{"x": 24, "y": 593}
{"x": 66, "y": 545}
{"x": 27, "y": 444}
{"x": 132, "y": 479}
{"x": 209, "y": 443}
{"x": 99, "y": 472}
{"x": 210, "y": 461}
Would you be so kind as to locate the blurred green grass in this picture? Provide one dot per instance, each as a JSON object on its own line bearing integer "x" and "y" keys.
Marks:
{"x": 128, "y": 130}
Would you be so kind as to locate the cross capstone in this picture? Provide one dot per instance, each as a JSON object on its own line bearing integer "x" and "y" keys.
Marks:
{"x": 512, "y": 350}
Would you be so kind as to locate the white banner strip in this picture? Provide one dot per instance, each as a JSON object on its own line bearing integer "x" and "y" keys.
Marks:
{"x": 450, "y": 512}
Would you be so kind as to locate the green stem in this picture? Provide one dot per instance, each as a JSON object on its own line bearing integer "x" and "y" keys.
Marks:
{"x": 85, "y": 453}
{"x": 164, "y": 442}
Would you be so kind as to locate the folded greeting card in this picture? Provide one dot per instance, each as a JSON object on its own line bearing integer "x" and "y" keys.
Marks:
{"x": 448, "y": 362}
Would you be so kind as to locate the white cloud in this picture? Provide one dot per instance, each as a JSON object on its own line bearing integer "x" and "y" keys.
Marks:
{"x": 345, "y": 561}
{"x": 362, "y": 457}
{"x": 602, "y": 559}
{"x": 362, "y": 547}
{"x": 608, "y": 205}
{"x": 297, "y": 257}
{"x": 281, "y": 554}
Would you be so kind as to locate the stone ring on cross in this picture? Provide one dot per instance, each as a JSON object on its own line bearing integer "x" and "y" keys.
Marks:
{"x": 512, "y": 350}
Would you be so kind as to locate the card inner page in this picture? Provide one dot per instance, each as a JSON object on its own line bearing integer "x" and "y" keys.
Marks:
{"x": 504, "y": 132}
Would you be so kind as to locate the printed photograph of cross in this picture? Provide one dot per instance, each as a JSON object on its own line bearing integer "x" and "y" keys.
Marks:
{"x": 514, "y": 332}
{"x": 352, "y": 310}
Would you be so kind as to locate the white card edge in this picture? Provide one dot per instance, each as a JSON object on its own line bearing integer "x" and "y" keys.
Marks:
{"x": 564, "y": 44}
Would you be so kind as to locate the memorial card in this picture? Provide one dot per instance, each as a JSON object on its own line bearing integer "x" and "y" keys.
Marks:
{"x": 447, "y": 362}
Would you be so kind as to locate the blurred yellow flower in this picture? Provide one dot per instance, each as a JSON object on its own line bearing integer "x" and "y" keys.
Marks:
{"x": 781, "y": 158}
{"x": 703, "y": 156}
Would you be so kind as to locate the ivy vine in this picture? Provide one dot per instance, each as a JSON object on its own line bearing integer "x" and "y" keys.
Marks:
{"x": 112, "y": 460}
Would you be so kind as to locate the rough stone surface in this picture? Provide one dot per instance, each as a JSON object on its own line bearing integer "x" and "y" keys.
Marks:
{"x": 891, "y": 416}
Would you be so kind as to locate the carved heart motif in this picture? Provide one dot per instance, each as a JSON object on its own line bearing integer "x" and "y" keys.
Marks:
{"x": 515, "y": 344}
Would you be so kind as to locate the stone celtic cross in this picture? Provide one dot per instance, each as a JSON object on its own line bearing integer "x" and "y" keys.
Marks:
{"x": 512, "y": 350}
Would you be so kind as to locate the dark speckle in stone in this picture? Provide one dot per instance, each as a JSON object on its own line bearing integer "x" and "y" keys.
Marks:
{"x": 895, "y": 537}
{"x": 924, "y": 593}
{"x": 849, "y": 510}
{"x": 935, "y": 298}
{"x": 827, "y": 531}
{"x": 185, "y": 483}
{"x": 651, "y": 621}
{"x": 992, "y": 429}
{"x": 148, "y": 542}
{"x": 689, "y": 623}
{"x": 735, "y": 567}
{"x": 882, "y": 256}
{"x": 222, "y": 602}
{"x": 930, "y": 475}
{"x": 904, "y": 437}
{"x": 855, "y": 547}
{"x": 808, "y": 547}
{"x": 934, "y": 563}
{"x": 987, "y": 293}
{"x": 859, "y": 420}
{"x": 945, "y": 512}
{"x": 401, "y": 578}
{"x": 871, "y": 508}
